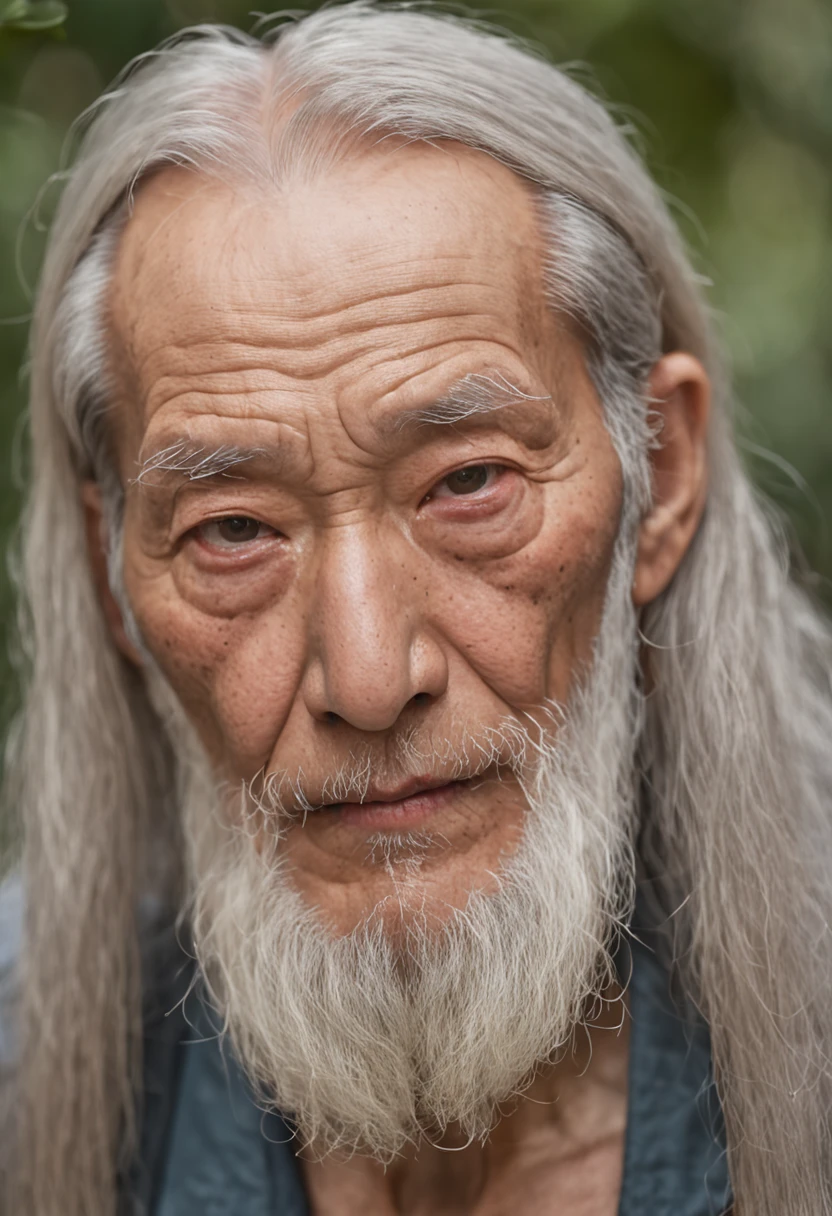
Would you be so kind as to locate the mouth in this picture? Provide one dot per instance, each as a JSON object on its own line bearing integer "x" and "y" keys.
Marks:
{"x": 404, "y": 807}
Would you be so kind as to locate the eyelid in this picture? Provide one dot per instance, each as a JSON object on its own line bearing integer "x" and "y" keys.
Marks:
{"x": 201, "y": 504}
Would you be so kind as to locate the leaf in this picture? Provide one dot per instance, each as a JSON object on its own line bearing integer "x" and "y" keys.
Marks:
{"x": 33, "y": 15}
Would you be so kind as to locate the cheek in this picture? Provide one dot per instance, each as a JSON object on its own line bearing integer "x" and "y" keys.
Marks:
{"x": 480, "y": 532}
{"x": 526, "y": 623}
{"x": 257, "y": 685}
{"x": 245, "y": 589}
{"x": 236, "y": 678}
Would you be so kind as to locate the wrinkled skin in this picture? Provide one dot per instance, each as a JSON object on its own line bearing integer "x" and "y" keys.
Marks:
{"x": 375, "y": 592}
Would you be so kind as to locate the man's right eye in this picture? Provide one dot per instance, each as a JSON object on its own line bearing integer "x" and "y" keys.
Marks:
{"x": 233, "y": 531}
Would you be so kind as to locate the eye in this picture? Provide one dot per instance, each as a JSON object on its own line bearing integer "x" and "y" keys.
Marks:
{"x": 233, "y": 531}
{"x": 466, "y": 481}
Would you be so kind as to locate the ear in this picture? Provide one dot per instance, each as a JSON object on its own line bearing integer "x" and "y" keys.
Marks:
{"x": 680, "y": 394}
{"x": 96, "y": 530}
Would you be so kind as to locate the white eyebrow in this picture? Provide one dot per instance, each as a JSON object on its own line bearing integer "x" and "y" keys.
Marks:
{"x": 476, "y": 393}
{"x": 196, "y": 461}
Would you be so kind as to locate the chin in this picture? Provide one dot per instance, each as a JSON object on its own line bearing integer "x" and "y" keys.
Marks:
{"x": 355, "y": 869}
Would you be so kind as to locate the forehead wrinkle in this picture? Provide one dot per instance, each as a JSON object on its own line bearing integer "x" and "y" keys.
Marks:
{"x": 229, "y": 365}
{"x": 316, "y": 299}
{"x": 233, "y": 340}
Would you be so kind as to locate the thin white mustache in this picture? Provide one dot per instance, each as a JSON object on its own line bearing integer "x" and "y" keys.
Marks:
{"x": 278, "y": 797}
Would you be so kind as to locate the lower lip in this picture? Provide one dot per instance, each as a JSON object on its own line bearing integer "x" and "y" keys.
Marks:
{"x": 404, "y": 812}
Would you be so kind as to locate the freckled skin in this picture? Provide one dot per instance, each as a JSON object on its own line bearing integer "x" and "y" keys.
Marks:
{"x": 373, "y": 602}
{"x": 299, "y": 324}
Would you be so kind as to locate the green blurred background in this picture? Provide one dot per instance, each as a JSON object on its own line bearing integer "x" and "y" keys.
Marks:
{"x": 730, "y": 100}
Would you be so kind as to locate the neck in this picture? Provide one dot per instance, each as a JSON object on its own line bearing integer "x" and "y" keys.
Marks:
{"x": 563, "y": 1138}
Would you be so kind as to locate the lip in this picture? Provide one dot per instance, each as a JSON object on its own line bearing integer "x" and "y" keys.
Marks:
{"x": 411, "y": 803}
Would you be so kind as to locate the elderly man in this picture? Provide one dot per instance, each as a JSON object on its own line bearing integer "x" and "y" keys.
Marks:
{"x": 425, "y": 756}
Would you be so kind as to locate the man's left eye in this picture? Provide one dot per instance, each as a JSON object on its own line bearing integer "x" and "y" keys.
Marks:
{"x": 233, "y": 531}
{"x": 468, "y": 480}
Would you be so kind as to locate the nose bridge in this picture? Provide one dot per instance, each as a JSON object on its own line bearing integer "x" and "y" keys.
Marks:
{"x": 364, "y": 629}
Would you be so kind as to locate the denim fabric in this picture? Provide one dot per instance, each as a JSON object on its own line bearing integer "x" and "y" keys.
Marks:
{"x": 206, "y": 1147}
{"x": 674, "y": 1152}
{"x": 226, "y": 1158}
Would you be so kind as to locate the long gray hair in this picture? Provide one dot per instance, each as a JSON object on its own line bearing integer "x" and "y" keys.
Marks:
{"x": 737, "y": 746}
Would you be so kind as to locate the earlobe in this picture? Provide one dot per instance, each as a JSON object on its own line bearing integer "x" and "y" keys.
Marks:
{"x": 680, "y": 399}
{"x": 95, "y": 528}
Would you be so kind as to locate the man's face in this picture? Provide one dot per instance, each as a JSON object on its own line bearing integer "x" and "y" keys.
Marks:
{"x": 371, "y": 590}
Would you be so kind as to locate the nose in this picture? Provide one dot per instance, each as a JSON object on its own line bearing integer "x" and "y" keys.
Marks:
{"x": 370, "y": 654}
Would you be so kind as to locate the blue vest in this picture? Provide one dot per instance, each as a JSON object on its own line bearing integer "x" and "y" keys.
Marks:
{"x": 208, "y": 1150}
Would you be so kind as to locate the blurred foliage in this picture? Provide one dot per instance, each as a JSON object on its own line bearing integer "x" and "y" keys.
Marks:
{"x": 32, "y": 15}
{"x": 730, "y": 101}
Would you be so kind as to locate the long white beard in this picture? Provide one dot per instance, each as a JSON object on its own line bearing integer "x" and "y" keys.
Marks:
{"x": 367, "y": 1042}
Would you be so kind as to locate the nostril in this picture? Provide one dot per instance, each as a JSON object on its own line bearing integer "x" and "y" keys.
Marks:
{"x": 420, "y": 698}
{"x": 331, "y": 718}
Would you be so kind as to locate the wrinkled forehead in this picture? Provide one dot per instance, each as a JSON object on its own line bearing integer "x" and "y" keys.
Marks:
{"x": 391, "y": 247}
